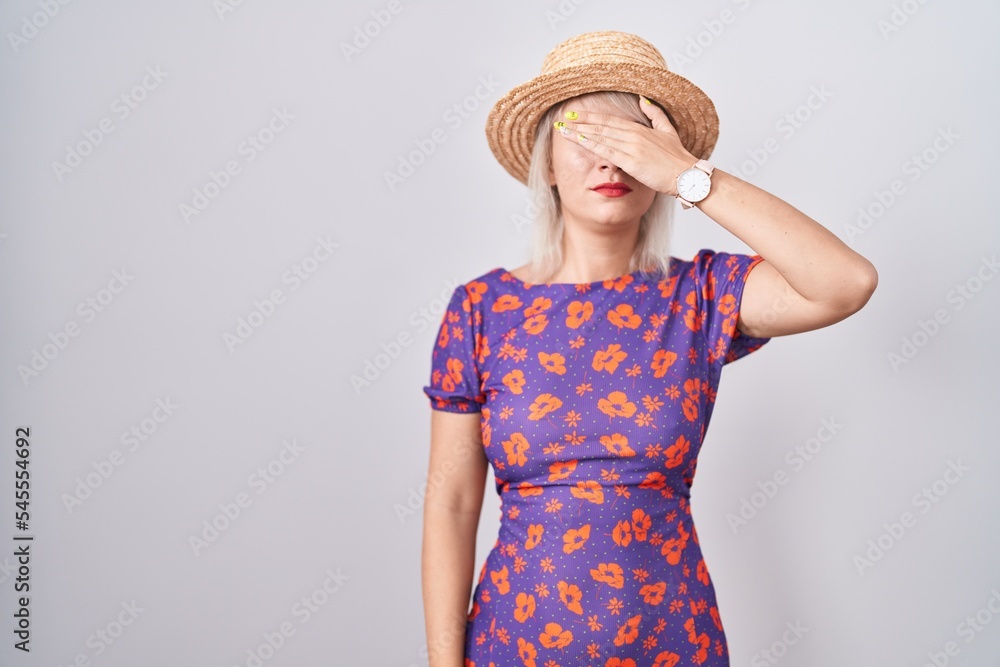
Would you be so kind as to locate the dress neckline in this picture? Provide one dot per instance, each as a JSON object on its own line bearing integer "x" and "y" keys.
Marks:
{"x": 637, "y": 276}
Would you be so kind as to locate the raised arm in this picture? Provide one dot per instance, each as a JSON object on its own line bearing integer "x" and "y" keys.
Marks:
{"x": 809, "y": 278}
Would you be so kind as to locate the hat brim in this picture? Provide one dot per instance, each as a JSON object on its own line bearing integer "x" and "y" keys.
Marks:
{"x": 512, "y": 122}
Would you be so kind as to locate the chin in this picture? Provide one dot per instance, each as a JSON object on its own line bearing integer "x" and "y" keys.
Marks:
{"x": 620, "y": 214}
{"x": 609, "y": 212}
{"x": 617, "y": 219}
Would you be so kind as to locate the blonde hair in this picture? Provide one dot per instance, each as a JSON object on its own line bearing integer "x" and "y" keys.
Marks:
{"x": 652, "y": 249}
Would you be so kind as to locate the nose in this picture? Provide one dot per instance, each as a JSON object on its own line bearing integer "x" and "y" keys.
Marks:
{"x": 606, "y": 165}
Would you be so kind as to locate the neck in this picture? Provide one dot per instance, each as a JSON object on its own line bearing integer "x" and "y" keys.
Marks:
{"x": 596, "y": 251}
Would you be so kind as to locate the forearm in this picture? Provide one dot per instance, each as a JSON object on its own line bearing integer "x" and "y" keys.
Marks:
{"x": 814, "y": 262}
{"x": 447, "y": 564}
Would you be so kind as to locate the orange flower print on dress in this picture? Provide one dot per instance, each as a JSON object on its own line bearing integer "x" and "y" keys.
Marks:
{"x": 575, "y": 538}
{"x": 690, "y": 409}
{"x": 700, "y": 640}
{"x": 588, "y": 490}
{"x": 454, "y": 375}
{"x": 608, "y": 360}
{"x": 526, "y": 652}
{"x": 481, "y": 349}
{"x": 536, "y": 325}
{"x": 475, "y": 291}
{"x": 609, "y": 573}
{"x": 653, "y": 594}
{"x": 673, "y": 547}
{"x": 561, "y": 470}
{"x": 623, "y": 317}
{"x": 617, "y": 445}
{"x": 553, "y": 363}
{"x": 538, "y": 305}
{"x": 594, "y": 400}
{"x": 535, "y": 532}
{"x": 543, "y": 405}
{"x": 622, "y": 533}
{"x": 628, "y": 632}
{"x": 515, "y": 449}
{"x": 662, "y": 361}
{"x": 617, "y": 405}
{"x": 620, "y": 662}
{"x": 675, "y": 452}
{"x": 555, "y": 637}
{"x": 525, "y": 489}
{"x": 570, "y": 595}
{"x": 505, "y": 303}
{"x": 578, "y": 312}
{"x": 666, "y": 659}
{"x": 727, "y": 304}
{"x": 525, "y": 607}
{"x": 500, "y": 580}
{"x": 703, "y": 572}
{"x": 618, "y": 285}
{"x": 641, "y": 523}
{"x": 514, "y": 381}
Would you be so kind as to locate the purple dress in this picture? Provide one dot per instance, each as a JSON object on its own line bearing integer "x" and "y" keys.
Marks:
{"x": 594, "y": 400}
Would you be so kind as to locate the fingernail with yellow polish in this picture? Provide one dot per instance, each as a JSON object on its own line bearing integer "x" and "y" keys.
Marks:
{"x": 582, "y": 138}
{"x": 561, "y": 126}
{"x": 572, "y": 115}
{"x": 646, "y": 99}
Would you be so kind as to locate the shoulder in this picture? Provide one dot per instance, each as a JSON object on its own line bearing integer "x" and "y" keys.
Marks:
{"x": 495, "y": 281}
{"x": 685, "y": 270}
{"x": 471, "y": 294}
{"x": 708, "y": 263}
{"x": 492, "y": 277}
{"x": 703, "y": 257}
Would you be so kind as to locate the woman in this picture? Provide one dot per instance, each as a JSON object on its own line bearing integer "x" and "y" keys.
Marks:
{"x": 586, "y": 378}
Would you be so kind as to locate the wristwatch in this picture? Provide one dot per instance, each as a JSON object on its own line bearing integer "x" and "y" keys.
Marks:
{"x": 693, "y": 184}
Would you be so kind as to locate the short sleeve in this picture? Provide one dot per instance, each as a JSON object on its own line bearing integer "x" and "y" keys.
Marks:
{"x": 455, "y": 383}
{"x": 721, "y": 277}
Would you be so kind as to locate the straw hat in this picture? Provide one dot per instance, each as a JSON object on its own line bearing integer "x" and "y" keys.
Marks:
{"x": 587, "y": 63}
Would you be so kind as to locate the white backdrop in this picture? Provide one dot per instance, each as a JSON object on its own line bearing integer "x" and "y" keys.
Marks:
{"x": 202, "y": 254}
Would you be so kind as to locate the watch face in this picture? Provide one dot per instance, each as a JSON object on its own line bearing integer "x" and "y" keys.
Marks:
{"x": 693, "y": 184}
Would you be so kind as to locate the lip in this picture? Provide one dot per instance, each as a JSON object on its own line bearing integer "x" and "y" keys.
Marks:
{"x": 612, "y": 189}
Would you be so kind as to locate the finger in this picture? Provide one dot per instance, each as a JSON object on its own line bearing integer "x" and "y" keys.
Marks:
{"x": 597, "y": 118}
{"x": 661, "y": 121}
{"x": 569, "y": 131}
{"x": 595, "y": 130}
{"x": 647, "y": 106}
{"x": 612, "y": 150}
